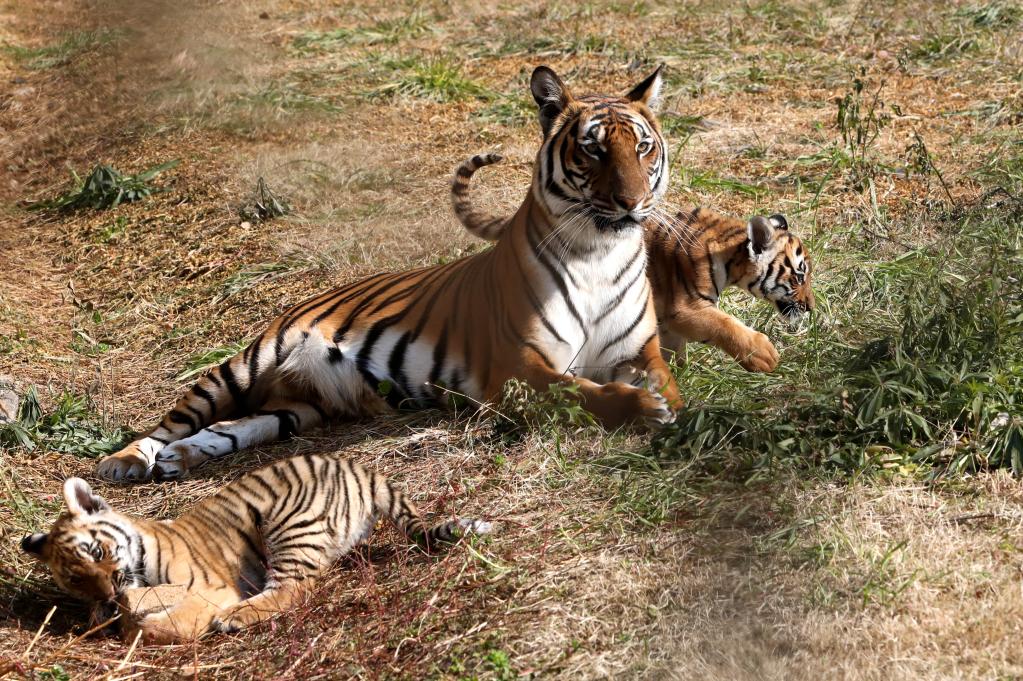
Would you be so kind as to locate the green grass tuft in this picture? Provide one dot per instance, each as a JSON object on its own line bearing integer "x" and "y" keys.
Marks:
{"x": 72, "y": 427}
{"x": 288, "y": 98}
{"x": 996, "y": 14}
{"x": 71, "y": 46}
{"x": 200, "y": 362}
{"x": 437, "y": 80}
{"x": 386, "y": 32}
{"x": 508, "y": 110}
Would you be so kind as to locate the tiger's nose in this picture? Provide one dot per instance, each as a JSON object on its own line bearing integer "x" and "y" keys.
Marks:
{"x": 627, "y": 201}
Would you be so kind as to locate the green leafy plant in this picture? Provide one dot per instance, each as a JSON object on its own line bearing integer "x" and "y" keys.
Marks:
{"x": 559, "y": 406}
{"x": 71, "y": 427}
{"x": 500, "y": 665}
{"x": 920, "y": 162}
{"x": 105, "y": 187}
{"x": 860, "y": 119}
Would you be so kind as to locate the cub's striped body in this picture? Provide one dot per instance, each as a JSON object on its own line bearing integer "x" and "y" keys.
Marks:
{"x": 561, "y": 298}
{"x": 245, "y": 554}
{"x": 692, "y": 258}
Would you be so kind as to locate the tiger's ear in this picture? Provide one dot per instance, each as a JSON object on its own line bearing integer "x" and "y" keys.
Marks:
{"x": 551, "y": 95}
{"x": 80, "y": 500}
{"x": 778, "y": 221}
{"x": 33, "y": 544}
{"x": 649, "y": 91}
{"x": 761, "y": 235}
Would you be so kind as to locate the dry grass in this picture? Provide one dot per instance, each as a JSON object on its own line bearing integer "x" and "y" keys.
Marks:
{"x": 356, "y": 115}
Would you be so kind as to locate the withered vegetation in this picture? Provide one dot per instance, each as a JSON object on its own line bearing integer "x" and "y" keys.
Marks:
{"x": 854, "y": 515}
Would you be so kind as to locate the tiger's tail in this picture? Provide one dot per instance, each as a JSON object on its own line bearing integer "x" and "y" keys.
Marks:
{"x": 392, "y": 502}
{"x": 478, "y": 223}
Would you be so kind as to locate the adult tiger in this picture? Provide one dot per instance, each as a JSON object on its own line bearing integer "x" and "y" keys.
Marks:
{"x": 692, "y": 258}
{"x": 561, "y": 298}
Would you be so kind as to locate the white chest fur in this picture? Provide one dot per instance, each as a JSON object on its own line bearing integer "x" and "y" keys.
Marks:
{"x": 594, "y": 303}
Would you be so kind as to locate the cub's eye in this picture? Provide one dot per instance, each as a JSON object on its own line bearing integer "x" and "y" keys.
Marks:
{"x": 800, "y": 277}
{"x": 644, "y": 147}
{"x": 97, "y": 552}
{"x": 591, "y": 147}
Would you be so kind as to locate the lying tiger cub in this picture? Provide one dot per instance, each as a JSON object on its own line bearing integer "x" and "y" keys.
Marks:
{"x": 691, "y": 259}
{"x": 246, "y": 553}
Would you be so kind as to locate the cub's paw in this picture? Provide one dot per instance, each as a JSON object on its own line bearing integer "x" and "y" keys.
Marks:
{"x": 233, "y": 619}
{"x": 758, "y": 354}
{"x": 123, "y": 467}
{"x": 226, "y": 626}
{"x": 159, "y": 629}
{"x": 172, "y": 462}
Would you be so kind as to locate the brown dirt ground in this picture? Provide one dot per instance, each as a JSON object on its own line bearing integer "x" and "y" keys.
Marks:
{"x": 785, "y": 579}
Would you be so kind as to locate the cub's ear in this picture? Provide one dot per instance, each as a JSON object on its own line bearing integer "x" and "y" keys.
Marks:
{"x": 648, "y": 91}
{"x": 778, "y": 221}
{"x": 551, "y": 95}
{"x": 33, "y": 544}
{"x": 80, "y": 500}
{"x": 761, "y": 235}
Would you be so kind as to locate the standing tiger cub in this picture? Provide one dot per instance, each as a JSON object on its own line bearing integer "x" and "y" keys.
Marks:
{"x": 246, "y": 553}
{"x": 691, "y": 259}
{"x": 561, "y": 298}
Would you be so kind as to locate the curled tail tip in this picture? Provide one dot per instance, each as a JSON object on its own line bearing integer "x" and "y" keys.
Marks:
{"x": 452, "y": 531}
{"x": 473, "y": 526}
{"x": 474, "y": 163}
{"x": 480, "y": 160}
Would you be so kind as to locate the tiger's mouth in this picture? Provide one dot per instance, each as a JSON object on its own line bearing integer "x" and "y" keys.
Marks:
{"x": 605, "y": 223}
{"x": 790, "y": 310}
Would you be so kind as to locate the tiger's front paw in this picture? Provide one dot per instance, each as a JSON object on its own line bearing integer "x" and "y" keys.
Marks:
{"x": 174, "y": 461}
{"x": 160, "y": 629}
{"x": 655, "y": 410}
{"x": 234, "y": 619}
{"x": 228, "y": 625}
{"x": 123, "y": 467}
{"x": 758, "y": 354}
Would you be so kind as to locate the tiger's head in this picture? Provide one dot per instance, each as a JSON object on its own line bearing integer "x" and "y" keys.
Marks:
{"x": 779, "y": 268}
{"x": 88, "y": 548}
{"x": 603, "y": 156}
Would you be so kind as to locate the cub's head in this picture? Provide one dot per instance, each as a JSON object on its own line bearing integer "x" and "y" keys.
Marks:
{"x": 780, "y": 267}
{"x": 603, "y": 156}
{"x": 88, "y": 548}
